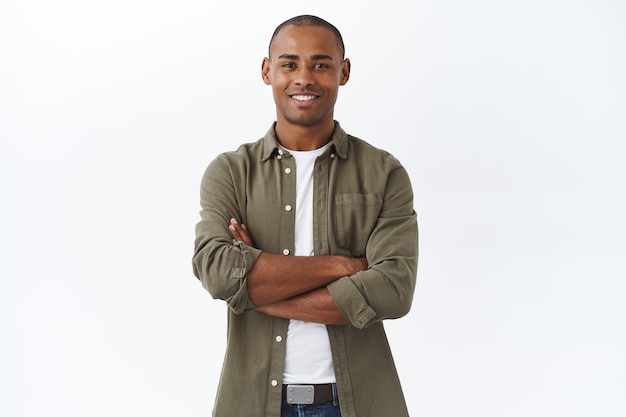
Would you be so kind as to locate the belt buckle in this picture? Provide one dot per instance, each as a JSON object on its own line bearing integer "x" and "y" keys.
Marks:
{"x": 300, "y": 394}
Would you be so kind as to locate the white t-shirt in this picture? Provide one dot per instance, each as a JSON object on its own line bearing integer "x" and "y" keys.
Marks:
{"x": 308, "y": 357}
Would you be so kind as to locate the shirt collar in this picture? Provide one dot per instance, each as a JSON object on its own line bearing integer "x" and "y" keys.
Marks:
{"x": 339, "y": 142}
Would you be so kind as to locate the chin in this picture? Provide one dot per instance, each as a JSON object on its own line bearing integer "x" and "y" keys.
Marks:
{"x": 305, "y": 120}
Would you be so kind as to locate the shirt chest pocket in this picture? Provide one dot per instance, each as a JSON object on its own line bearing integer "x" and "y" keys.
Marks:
{"x": 355, "y": 218}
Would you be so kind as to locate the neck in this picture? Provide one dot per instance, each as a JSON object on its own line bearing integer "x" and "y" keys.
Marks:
{"x": 304, "y": 138}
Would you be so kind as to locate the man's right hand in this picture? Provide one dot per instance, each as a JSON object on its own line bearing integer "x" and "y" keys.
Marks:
{"x": 356, "y": 265}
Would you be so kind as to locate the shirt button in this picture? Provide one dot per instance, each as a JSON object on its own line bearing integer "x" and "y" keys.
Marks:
{"x": 288, "y": 207}
{"x": 279, "y": 339}
{"x": 274, "y": 382}
{"x": 332, "y": 156}
{"x": 287, "y": 170}
{"x": 285, "y": 251}
{"x": 279, "y": 157}
{"x": 280, "y": 152}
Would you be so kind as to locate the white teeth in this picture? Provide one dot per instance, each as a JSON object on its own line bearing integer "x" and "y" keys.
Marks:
{"x": 303, "y": 98}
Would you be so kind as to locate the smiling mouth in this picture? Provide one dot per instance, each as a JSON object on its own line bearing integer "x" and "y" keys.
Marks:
{"x": 303, "y": 97}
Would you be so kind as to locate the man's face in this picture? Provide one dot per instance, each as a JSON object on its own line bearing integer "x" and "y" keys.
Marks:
{"x": 305, "y": 70}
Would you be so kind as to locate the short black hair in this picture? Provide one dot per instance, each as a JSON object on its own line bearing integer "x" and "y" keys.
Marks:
{"x": 310, "y": 20}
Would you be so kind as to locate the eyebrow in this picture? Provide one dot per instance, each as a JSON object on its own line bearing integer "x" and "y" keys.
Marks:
{"x": 320, "y": 57}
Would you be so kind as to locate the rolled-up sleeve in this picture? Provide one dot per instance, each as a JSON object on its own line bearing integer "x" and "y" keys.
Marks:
{"x": 218, "y": 263}
{"x": 385, "y": 290}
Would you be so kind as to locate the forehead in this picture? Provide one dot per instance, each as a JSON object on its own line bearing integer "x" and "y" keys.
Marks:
{"x": 304, "y": 41}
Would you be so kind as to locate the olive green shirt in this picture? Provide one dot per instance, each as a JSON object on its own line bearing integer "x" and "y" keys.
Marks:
{"x": 363, "y": 207}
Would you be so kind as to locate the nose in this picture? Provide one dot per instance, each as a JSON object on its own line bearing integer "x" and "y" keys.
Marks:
{"x": 304, "y": 77}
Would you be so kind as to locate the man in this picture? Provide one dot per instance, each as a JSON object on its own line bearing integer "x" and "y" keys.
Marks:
{"x": 310, "y": 236}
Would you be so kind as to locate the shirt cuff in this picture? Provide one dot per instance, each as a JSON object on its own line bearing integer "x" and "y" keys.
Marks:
{"x": 351, "y": 302}
{"x": 240, "y": 301}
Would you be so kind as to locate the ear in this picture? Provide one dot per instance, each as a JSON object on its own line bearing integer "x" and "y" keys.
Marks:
{"x": 265, "y": 71}
{"x": 345, "y": 71}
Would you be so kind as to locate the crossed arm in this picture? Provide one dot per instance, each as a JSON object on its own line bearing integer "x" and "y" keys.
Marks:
{"x": 273, "y": 290}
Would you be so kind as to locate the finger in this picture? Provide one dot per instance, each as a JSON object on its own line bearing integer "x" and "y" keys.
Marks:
{"x": 239, "y": 232}
{"x": 238, "y": 228}
{"x": 234, "y": 231}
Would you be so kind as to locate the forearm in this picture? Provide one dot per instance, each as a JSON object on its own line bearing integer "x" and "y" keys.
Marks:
{"x": 385, "y": 290}
{"x": 275, "y": 277}
{"x": 315, "y": 306}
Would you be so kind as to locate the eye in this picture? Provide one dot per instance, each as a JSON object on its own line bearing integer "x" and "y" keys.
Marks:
{"x": 289, "y": 65}
{"x": 320, "y": 65}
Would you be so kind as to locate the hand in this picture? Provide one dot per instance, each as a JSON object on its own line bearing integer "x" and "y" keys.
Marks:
{"x": 354, "y": 265}
{"x": 240, "y": 233}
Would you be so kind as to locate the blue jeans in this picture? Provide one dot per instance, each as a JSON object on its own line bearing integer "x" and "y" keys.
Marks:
{"x": 327, "y": 409}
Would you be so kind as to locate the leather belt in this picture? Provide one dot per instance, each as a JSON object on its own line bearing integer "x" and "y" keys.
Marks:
{"x": 321, "y": 393}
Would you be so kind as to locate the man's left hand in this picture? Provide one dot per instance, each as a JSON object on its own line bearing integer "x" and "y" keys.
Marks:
{"x": 240, "y": 233}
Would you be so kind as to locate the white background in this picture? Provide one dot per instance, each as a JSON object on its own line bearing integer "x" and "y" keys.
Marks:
{"x": 509, "y": 116}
